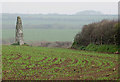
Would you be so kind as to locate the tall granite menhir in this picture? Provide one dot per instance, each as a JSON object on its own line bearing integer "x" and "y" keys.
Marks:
{"x": 19, "y": 31}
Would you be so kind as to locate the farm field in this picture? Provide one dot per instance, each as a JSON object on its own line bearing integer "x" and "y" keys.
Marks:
{"x": 32, "y": 35}
{"x": 41, "y": 63}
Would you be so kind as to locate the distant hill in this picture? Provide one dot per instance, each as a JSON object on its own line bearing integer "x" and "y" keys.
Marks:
{"x": 89, "y": 12}
{"x": 55, "y": 21}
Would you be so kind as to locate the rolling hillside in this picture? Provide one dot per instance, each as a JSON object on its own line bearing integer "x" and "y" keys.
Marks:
{"x": 53, "y": 21}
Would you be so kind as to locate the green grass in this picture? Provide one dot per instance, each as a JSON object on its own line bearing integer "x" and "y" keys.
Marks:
{"x": 97, "y": 48}
{"x": 31, "y": 35}
{"x": 102, "y": 48}
{"x": 40, "y": 63}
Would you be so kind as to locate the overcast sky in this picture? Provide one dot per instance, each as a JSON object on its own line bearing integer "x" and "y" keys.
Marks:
{"x": 59, "y": 7}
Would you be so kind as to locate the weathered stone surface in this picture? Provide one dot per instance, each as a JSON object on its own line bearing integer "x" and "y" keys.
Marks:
{"x": 19, "y": 32}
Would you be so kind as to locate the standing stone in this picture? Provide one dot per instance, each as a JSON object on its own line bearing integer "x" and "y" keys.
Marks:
{"x": 19, "y": 32}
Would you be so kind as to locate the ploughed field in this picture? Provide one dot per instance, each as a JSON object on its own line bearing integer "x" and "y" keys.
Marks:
{"x": 40, "y": 63}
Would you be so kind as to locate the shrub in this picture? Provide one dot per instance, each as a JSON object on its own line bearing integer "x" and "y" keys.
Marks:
{"x": 102, "y": 48}
{"x": 25, "y": 44}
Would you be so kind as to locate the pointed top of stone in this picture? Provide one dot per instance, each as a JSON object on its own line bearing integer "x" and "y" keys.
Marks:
{"x": 18, "y": 17}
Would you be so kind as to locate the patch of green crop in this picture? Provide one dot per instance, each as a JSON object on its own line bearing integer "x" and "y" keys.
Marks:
{"x": 37, "y": 63}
